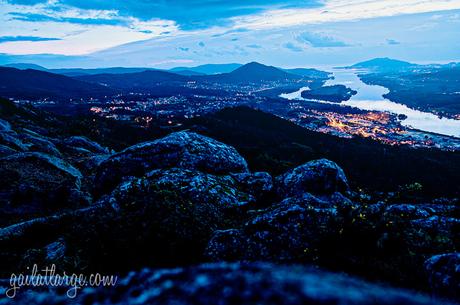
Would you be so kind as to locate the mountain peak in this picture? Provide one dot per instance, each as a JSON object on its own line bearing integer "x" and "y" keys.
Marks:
{"x": 388, "y": 60}
{"x": 30, "y": 83}
{"x": 25, "y": 66}
{"x": 252, "y": 72}
{"x": 255, "y": 64}
{"x": 256, "y": 67}
{"x": 208, "y": 69}
{"x": 255, "y": 71}
{"x": 384, "y": 63}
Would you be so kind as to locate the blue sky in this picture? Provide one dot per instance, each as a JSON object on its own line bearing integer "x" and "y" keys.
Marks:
{"x": 166, "y": 33}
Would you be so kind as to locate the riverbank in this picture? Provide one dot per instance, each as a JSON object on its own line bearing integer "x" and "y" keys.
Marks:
{"x": 370, "y": 97}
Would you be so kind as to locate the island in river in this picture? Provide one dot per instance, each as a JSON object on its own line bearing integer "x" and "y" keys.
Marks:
{"x": 381, "y": 119}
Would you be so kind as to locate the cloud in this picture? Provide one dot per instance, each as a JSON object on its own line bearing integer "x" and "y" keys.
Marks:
{"x": 82, "y": 31}
{"x": 317, "y": 40}
{"x": 188, "y": 14}
{"x": 292, "y": 47}
{"x": 45, "y": 59}
{"x": 26, "y": 2}
{"x": 454, "y": 18}
{"x": 32, "y": 17}
{"x": 171, "y": 61}
{"x": 25, "y": 38}
{"x": 334, "y": 11}
{"x": 133, "y": 39}
{"x": 232, "y": 31}
{"x": 392, "y": 42}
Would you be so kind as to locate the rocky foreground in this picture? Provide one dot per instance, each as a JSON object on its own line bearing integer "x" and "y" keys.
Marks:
{"x": 244, "y": 283}
{"x": 189, "y": 200}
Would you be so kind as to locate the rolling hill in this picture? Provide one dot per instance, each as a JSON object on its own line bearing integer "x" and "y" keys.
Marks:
{"x": 80, "y": 83}
{"x": 33, "y": 84}
{"x": 310, "y": 73}
{"x": 252, "y": 72}
{"x": 249, "y": 73}
{"x": 273, "y": 144}
{"x": 188, "y": 72}
{"x": 208, "y": 69}
{"x": 138, "y": 80}
{"x": 79, "y": 71}
{"x": 25, "y": 66}
{"x": 384, "y": 65}
{"x": 112, "y": 70}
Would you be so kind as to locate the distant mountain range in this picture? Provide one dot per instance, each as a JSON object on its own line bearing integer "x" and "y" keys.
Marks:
{"x": 34, "y": 81}
{"x": 252, "y": 72}
{"x": 249, "y": 73}
{"x": 143, "y": 80}
{"x": 208, "y": 69}
{"x": 79, "y": 71}
{"x": 40, "y": 82}
{"x": 187, "y": 72}
{"x": 313, "y": 73}
{"x": 32, "y": 84}
{"x": 25, "y": 66}
{"x": 384, "y": 65}
{"x": 388, "y": 65}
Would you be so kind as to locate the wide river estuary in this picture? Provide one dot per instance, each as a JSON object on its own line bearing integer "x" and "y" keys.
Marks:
{"x": 370, "y": 97}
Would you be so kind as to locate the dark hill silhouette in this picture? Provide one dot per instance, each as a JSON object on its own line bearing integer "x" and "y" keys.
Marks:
{"x": 33, "y": 84}
{"x": 270, "y": 143}
{"x": 72, "y": 72}
{"x": 208, "y": 69}
{"x": 187, "y": 72}
{"x": 252, "y": 73}
{"x": 384, "y": 64}
{"x": 25, "y": 66}
{"x": 308, "y": 72}
{"x": 140, "y": 80}
{"x": 112, "y": 70}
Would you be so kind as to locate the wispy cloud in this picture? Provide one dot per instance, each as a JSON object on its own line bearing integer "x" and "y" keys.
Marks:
{"x": 188, "y": 14}
{"x": 147, "y": 31}
{"x": 393, "y": 42}
{"x": 343, "y": 10}
{"x": 31, "y": 17}
{"x": 82, "y": 31}
{"x": 292, "y": 47}
{"x": 224, "y": 32}
{"x": 26, "y": 38}
{"x": 318, "y": 40}
{"x": 171, "y": 62}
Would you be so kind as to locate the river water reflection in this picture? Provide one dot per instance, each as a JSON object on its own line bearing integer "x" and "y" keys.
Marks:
{"x": 370, "y": 97}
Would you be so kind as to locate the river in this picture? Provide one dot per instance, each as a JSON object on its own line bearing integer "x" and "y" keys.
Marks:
{"x": 370, "y": 97}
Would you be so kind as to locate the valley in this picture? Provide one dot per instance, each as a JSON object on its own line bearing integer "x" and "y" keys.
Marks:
{"x": 283, "y": 152}
{"x": 335, "y": 102}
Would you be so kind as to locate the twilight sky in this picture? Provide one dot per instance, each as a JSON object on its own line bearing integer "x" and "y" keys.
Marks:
{"x": 167, "y": 33}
